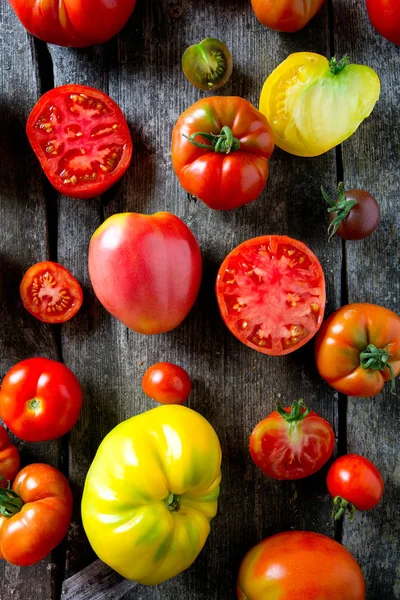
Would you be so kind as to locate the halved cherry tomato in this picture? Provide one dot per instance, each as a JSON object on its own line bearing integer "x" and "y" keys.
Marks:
{"x": 271, "y": 294}
{"x": 9, "y": 458}
{"x": 50, "y": 292}
{"x": 34, "y": 514}
{"x": 358, "y": 348}
{"x": 81, "y": 139}
{"x": 220, "y": 151}
{"x": 385, "y": 17}
{"x": 167, "y": 383}
{"x": 207, "y": 65}
{"x": 286, "y": 15}
{"x": 292, "y": 443}
{"x": 40, "y": 399}
{"x": 354, "y": 483}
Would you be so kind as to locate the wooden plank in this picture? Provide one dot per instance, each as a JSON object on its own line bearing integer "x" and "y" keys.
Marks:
{"x": 23, "y": 241}
{"x": 371, "y": 162}
{"x": 234, "y": 387}
{"x": 96, "y": 582}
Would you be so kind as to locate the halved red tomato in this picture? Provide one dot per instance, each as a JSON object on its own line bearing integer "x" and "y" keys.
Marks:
{"x": 81, "y": 139}
{"x": 271, "y": 293}
{"x": 50, "y": 292}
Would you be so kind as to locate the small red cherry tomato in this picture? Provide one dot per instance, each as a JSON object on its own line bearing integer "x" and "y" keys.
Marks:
{"x": 9, "y": 458}
{"x": 40, "y": 399}
{"x": 292, "y": 443}
{"x": 167, "y": 383}
{"x": 50, "y": 292}
{"x": 355, "y": 484}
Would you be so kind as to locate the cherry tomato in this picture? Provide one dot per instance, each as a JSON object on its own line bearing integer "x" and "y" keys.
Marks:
{"x": 220, "y": 151}
{"x": 354, "y": 214}
{"x": 292, "y": 443}
{"x": 385, "y": 17}
{"x": 286, "y": 15}
{"x": 50, "y": 292}
{"x": 81, "y": 139}
{"x": 145, "y": 270}
{"x": 9, "y": 458}
{"x": 300, "y": 565}
{"x": 167, "y": 383}
{"x": 34, "y": 514}
{"x": 271, "y": 294}
{"x": 355, "y": 484}
{"x": 207, "y": 65}
{"x": 358, "y": 348}
{"x": 76, "y": 23}
{"x": 40, "y": 399}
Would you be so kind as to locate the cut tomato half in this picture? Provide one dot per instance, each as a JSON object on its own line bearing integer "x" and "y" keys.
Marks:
{"x": 81, "y": 139}
{"x": 271, "y": 294}
{"x": 50, "y": 292}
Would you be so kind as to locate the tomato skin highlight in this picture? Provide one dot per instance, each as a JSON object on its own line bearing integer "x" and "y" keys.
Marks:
{"x": 72, "y": 22}
{"x": 300, "y": 565}
{"x": 81, "y": 138}
{"x": 42, "y": 523}
{"x": 286, "y": 15}
{"x": 9, "y": 458}
{"x": 385, "y": 17}
{"x": 345, "y": 335}
{"x": 291, "y": 450}
{"x": 40, "y": 399}
{"x": 145, "y": 270}
{"x": 167, "y": 383}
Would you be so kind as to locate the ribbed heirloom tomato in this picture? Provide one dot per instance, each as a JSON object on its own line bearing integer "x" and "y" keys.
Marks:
{"x": 9, "y": 458}
{"x": 286, "y": 15}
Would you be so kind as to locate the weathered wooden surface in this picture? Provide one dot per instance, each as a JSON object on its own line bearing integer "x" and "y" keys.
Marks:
{"x": 234, "y": 387}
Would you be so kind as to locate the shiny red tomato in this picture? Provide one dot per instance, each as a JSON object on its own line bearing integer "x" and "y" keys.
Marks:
{"x": 271, "y": 294}
{"x": 145, "y": 270}
{"x": 34, "y": 514}
{"x": 76, "y": 23}
{"x": 292, "y": 443}
{"x": 286, "y": 15}
{"x": 385, "y": 17}
{"x": 167, "y": 383}
{"x": 81, "y": 139}
{"x": 9, "y": 458}
{"x": 354, "y": 483}
{"x": 40, "y": 399}
{"x": 50, "y": 292}
{"x": 220, "y": 151}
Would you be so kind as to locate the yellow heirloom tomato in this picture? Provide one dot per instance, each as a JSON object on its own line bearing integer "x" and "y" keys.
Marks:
{"x": 151, "y": 492}
{"x": 313, "y": 104}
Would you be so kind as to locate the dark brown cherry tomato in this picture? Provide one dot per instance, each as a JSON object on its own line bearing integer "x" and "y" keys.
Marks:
{"x": 167, "y": 383}
{"x": 355, "y": 484}
{"x": 207, "y": 65}
{"x": 354, "y": 215}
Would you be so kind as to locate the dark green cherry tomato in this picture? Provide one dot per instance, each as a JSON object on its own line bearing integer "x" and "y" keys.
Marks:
{"x": 207, "y": 65}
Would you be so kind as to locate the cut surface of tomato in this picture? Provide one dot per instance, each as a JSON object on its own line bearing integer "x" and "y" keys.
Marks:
{"x": 50, "y": 292}
{"x": 271, "y": 293}
{"x": 81, "y": 139}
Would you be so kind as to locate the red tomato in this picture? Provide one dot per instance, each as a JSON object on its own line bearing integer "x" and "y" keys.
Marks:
{"x": 355, "y": 484}
{"x": 286, "y": 15}
{"x": 40, "y": 399}
{"x": 271, "y": 294}
{"x": 145, "y": 270}
{"x": 358, "y": 348}
{"x": 35, "y": 515}
{"x": 50, "y": 292}
{"x": 167, "y": 383}
{"x": 76, "y": 23}
{"x": 300, "y": 565}
{"x": 81, "y": 139}
{"x": 292, "y": 443}
{"x": 385, "y": 17}
{"x": 220, "y": 151}
{"x": 9, "y": 458}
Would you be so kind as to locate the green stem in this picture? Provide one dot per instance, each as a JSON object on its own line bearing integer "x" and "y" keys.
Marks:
{"x": 172, "y": 502}
{"x": 10, "y": 502}
{"x": 378, "y": 360}
{"x": 297, "y": 413}
{"x": 336, "y": 67}
{"x": 341, "y": 206}
{"x": 340, "y": 506}
{"x": 224, "y": 143}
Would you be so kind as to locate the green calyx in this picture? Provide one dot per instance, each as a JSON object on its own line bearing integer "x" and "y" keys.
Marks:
{"x": 341, "y": 506}
{"x": 34, "y": 404}
{"x": 297, "y": 413}
{"x": 10, "y": 502}
{"x": 172, "y": 502}
{"x": 378, "y": 360}
{"x": 336, "y": 66}
{"x": 224, "y": 142}
{"x": 341, "y": 206}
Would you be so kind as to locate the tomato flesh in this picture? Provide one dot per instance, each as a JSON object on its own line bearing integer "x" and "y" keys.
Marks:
{"x": 81, "y": 139}
{"x": 271, "y": 294}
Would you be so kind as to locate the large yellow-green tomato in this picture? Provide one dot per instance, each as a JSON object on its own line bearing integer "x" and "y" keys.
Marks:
{"x": 313, "y": 104}
{"x": 151, "y": 493}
